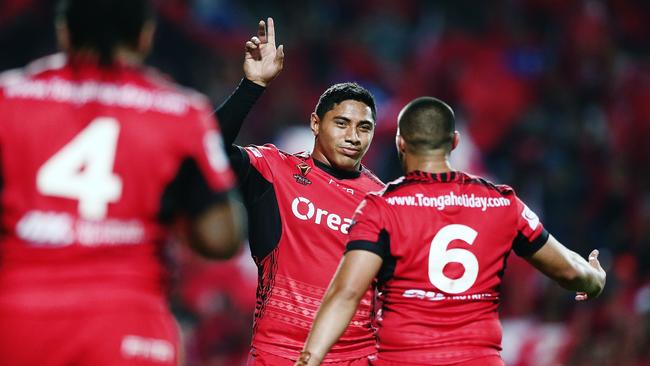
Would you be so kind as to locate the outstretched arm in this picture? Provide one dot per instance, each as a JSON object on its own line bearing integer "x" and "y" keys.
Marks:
{"x": 355, "y": 274}
{"x": 569, "y": 269}
{"x": 262, "y": 63}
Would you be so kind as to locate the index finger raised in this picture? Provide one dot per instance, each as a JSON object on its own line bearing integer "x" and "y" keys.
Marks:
{"x": 270, "y": 32}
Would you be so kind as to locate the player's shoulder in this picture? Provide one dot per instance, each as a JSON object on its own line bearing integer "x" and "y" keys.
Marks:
{"x": 372, "y": 179}
{"x": 35, "y": 69}
{"x": 502, "y": 189}
{"x": 164, "y": 83}
{"x": 270, "y": 151}
{"x": 395, "y": 186}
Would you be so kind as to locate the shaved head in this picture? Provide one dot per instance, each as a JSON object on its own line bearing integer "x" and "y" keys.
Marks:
{"x": 427, "y": 124}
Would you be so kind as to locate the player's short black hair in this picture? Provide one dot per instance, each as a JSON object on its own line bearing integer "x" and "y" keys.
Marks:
{"x": 338, "y": 93}
{"x": 102, "y": 25}
{"x": 427, "y": 123}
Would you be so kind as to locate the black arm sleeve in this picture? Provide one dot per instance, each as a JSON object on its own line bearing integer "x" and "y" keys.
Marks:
{"x": 233, "y": 111}
{"x": 188, "y": 193}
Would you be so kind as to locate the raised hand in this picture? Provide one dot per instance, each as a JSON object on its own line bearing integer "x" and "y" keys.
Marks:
{"x": 593, "y": 261}
{"x": 263, "y": 61}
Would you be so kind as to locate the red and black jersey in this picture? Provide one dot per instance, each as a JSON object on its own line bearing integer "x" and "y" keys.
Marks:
{"x": 300, "y": 211}
{"x": 444, "y": 239}
{"x": 93, "y": 160}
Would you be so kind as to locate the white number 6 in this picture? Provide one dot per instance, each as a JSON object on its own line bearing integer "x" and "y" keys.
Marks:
{"x": 439, "y": 256}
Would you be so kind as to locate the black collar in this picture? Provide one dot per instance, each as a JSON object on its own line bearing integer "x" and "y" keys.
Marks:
{"x": 337, "y": 173}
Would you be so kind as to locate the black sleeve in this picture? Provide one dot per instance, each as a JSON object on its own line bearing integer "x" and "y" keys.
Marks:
{"x": 188, "y": 193}
{"x": 233, "y": 111}
{"x": 525, "y": 248}
{"x": 382, "y": 249}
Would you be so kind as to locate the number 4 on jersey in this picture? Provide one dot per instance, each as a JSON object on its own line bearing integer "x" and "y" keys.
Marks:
{"x": 83, "y": 170}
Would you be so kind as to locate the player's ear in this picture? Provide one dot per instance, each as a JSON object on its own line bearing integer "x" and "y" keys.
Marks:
{"x": 145, "y": 41}
{"x": 400, "y": 144}
{"x": 455, "y": 140}
{"x": 314, "y": 123}
{"x": 62, "y": 36}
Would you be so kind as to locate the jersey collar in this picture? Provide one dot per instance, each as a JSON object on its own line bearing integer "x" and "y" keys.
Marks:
{"x": 337, "y": 173}
{"x": 418, "y": 175}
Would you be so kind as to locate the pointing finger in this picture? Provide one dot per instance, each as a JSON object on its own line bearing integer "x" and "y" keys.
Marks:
{"x": 271, "y": 32}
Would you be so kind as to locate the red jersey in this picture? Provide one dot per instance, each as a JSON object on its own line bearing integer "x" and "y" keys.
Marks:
{"x": 444, "y": 239}
{"x": 92, "y": 160}
{"x": 300, "y": 211}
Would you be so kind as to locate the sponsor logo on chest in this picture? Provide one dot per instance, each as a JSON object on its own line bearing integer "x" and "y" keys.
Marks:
{"x": 303, "y": 209}
{"x": 303, "y": 169}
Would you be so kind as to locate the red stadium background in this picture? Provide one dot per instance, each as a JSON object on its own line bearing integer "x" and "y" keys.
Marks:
{"x": 552, "y": 97}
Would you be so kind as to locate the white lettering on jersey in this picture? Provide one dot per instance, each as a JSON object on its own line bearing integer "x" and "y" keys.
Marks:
{"x": 438, "y": 296}
{"x": 447, "y": 200}
{"x": 109, "y": 94}
{"x": 304, "y": 209}
{"x": 531, "y": 217}
{"x": 58, "y": 229}
{"x": 345, "y": 189}
{"x": 157, "y": 350}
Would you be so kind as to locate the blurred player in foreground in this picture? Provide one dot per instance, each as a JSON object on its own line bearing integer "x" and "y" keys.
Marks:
{"x": 300, "y": 208}
{"x": 437, "y": 242}
{"x": 97, "y": 152}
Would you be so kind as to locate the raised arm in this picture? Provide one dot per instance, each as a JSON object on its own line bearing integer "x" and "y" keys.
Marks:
{"x": 569, "y": 269}
{"x": 262, "y": 63}
{"x": 355, "y": 274}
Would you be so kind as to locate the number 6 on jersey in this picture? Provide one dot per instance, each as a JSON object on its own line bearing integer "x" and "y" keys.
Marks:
{"x": 83, "y": 170}
{"x": 439, "y": 256}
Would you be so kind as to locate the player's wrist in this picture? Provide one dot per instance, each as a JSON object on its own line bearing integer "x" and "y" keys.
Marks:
{"x": 258, "y": 81}
{"x": 308, "y": 359}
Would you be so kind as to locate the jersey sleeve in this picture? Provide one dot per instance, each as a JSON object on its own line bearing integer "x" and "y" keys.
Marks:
{"x": 211, "y": 156}
{"x": 368, "y": 231}
{"x": 204, "y": 175}
{"x": 261, "y": 158}
{"x": 531, "y": 234}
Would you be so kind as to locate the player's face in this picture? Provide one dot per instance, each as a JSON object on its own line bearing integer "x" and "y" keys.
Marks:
{"x": 343, "y": 135}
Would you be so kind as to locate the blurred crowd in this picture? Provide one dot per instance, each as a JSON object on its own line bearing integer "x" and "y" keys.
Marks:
{"x": 552, "y": 97}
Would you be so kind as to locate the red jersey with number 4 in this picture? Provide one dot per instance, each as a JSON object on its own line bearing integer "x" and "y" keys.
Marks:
{"x": 444, "y": 239}
{"x": 92, "y": 159}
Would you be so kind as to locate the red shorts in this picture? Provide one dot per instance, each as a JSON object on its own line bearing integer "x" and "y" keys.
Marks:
{"x": 261, "y": 358}
{"x": 115, "y": 338}
{"x": 483, "y": 361}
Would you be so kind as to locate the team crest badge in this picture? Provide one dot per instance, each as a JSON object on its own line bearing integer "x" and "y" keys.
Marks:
{"x": 301, "y": 178}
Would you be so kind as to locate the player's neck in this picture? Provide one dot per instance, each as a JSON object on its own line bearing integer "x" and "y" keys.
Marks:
{"x": 430, "y": 163}
{"x": 122, "y": 56}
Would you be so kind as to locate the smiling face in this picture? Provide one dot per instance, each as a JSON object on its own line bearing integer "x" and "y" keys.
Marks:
{"x": 343, "y": 135}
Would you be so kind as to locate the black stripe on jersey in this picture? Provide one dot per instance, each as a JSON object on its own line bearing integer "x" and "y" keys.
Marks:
{"x": 382, "y": 249}
{"x": 377, "y": 248}
{"x": 503, "y": 189}
{"x": 264, "y": 221}
{"x": 267, "y": 268}
{"x": 525, "y": 248}
{"x": 188, "y": 193}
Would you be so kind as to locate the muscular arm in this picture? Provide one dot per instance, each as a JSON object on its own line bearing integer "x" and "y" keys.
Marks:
{"x": 355, "y": 274}
{"x": 569, "y": 269}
